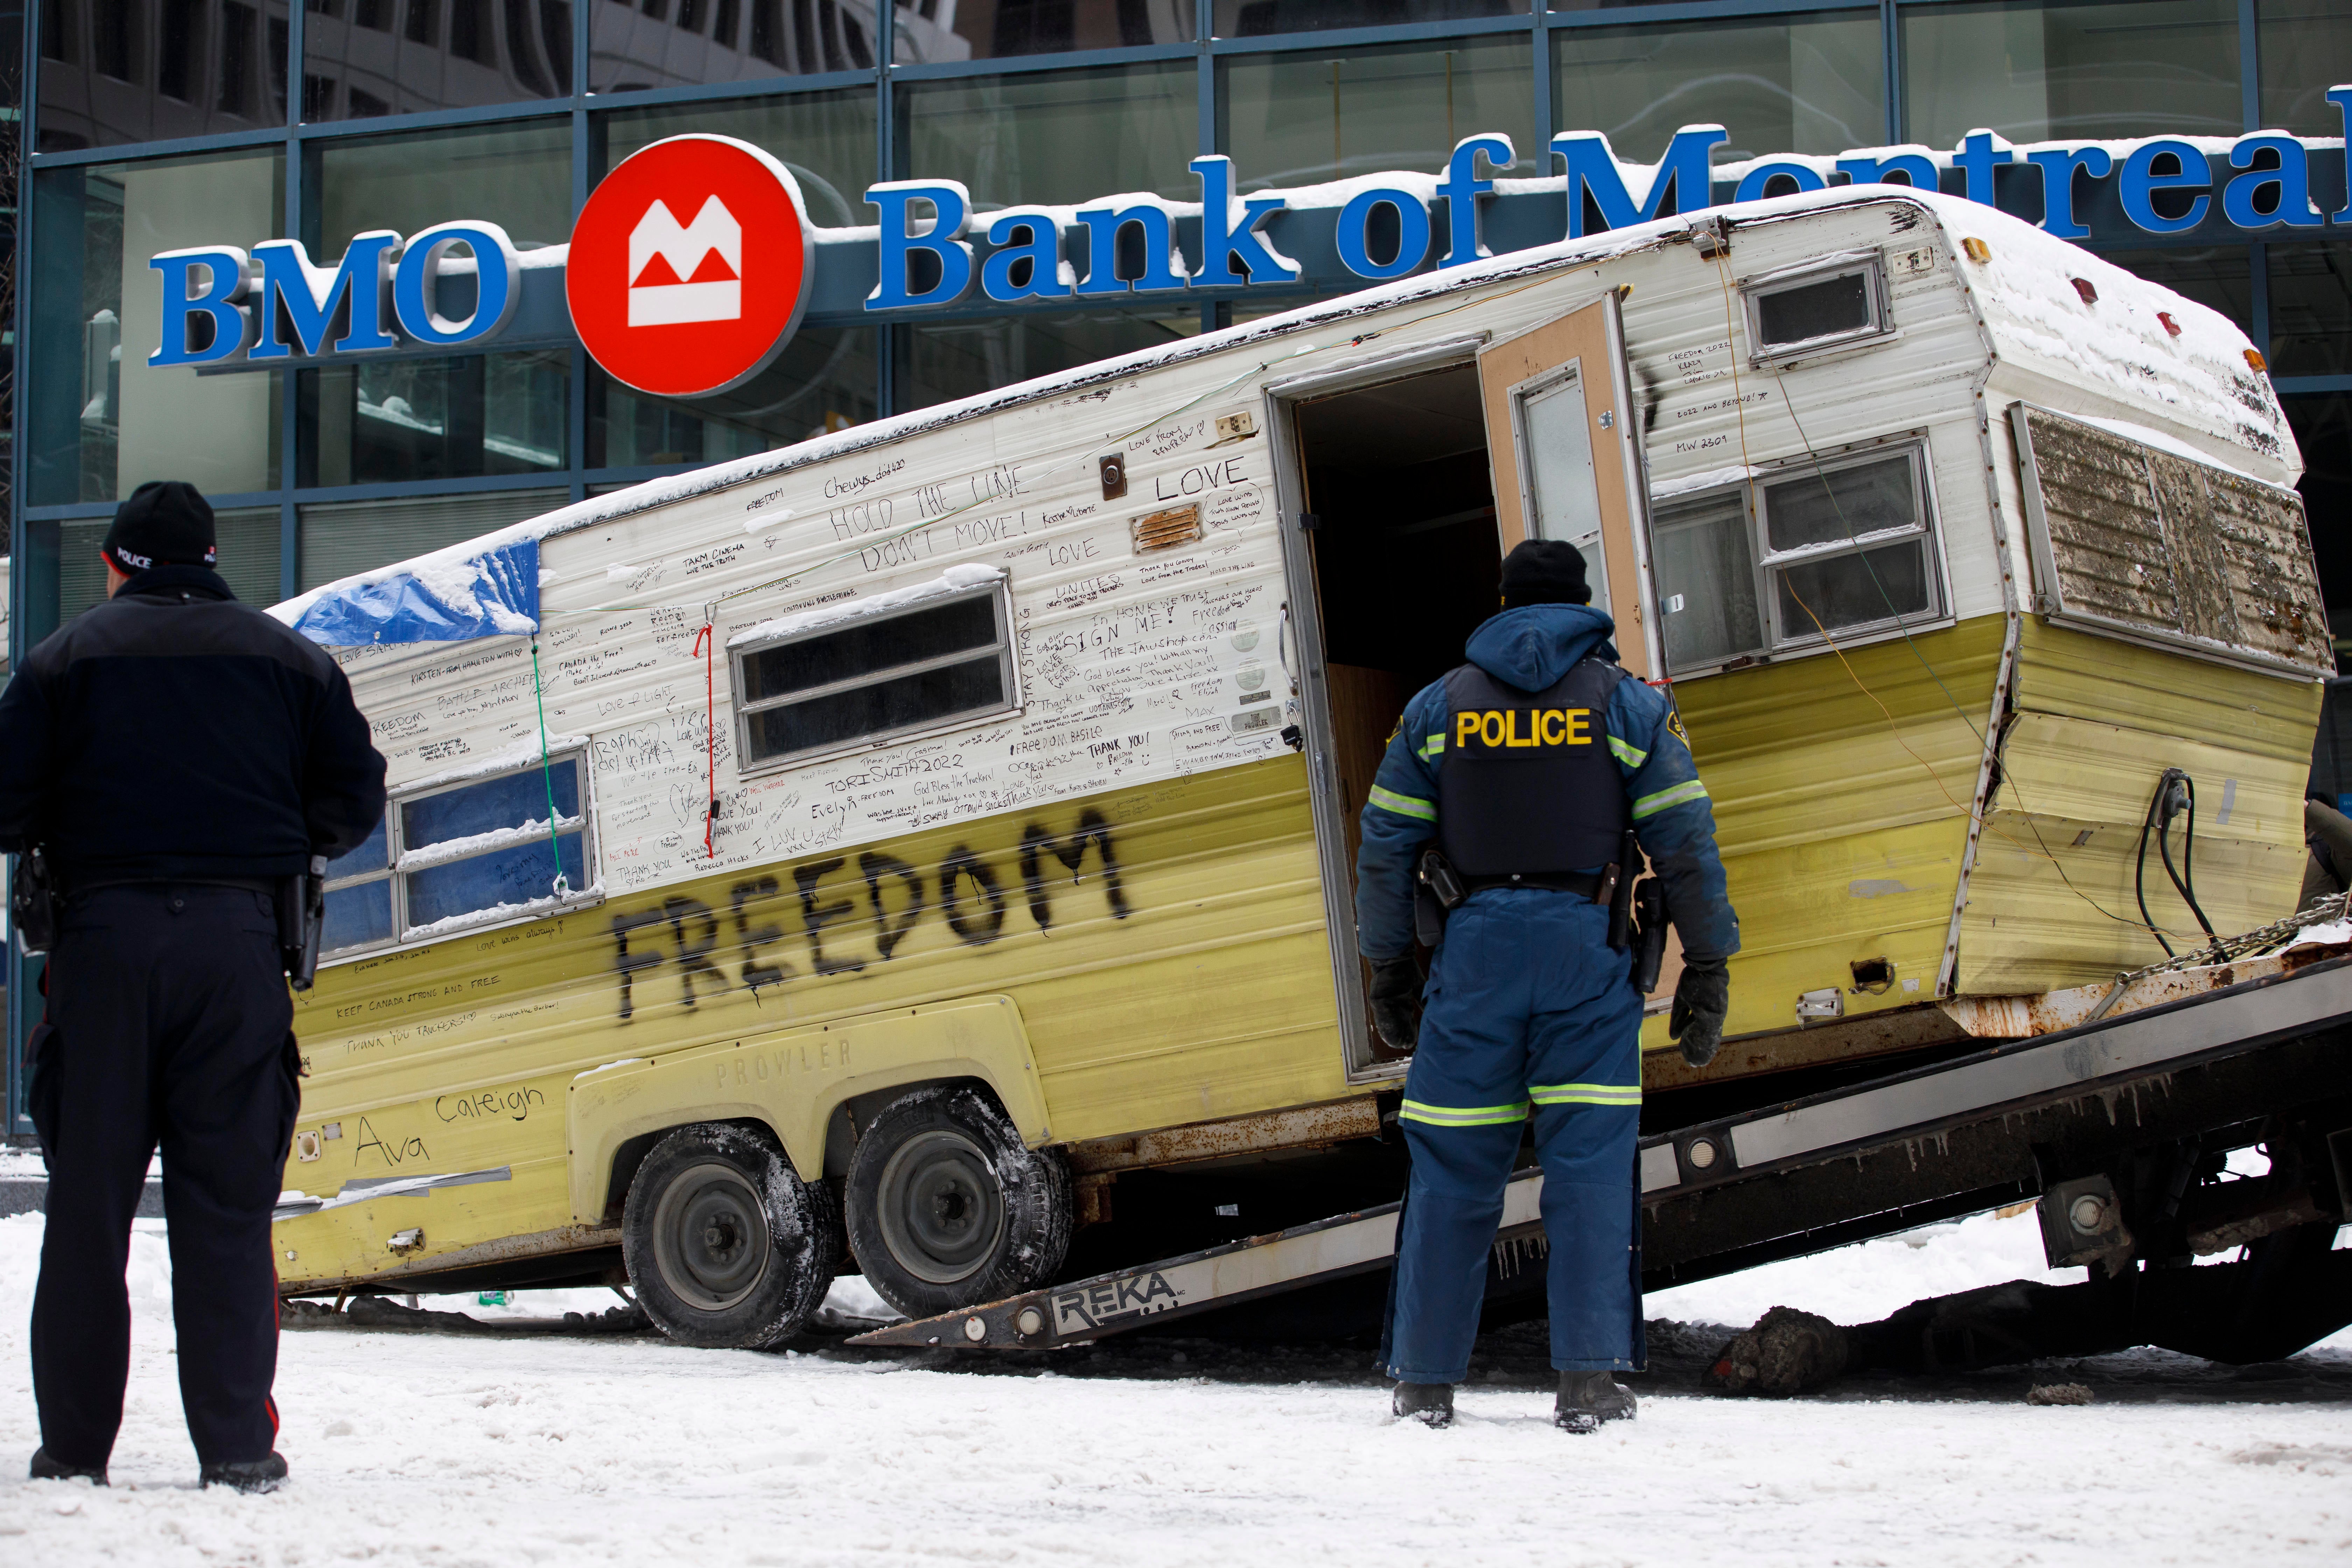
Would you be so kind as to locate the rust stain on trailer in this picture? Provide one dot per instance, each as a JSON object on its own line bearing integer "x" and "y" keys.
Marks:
{"x": 1302, "y": 1128}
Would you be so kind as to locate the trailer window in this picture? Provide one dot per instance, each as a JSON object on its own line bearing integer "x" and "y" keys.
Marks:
{"x": 1820, "y": 308}
{"x": 359, "y": 895}
{"x": 880, "y": 677}
{"x": 1800, "y": 556}
{"x": 460, "y": 854}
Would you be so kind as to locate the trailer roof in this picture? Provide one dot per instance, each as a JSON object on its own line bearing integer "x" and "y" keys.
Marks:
{"x": 2121, "y": 334}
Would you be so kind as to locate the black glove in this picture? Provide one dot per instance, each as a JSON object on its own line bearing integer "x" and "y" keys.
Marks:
{"x": 1396, "y": 1001}
{"x": 1702, "y": 997}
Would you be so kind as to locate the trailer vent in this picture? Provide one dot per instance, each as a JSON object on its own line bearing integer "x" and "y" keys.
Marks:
{"x": 2131, "y": 541}
{"x": 1166, "y": 530}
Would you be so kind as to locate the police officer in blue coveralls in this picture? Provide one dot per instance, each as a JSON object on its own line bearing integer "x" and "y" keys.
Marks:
{"x": 1526, "y": 765}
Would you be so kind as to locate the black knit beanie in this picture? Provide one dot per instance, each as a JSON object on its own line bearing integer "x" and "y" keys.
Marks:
{"x": 166, "y": 522}
{"x": 1544, "y": 572}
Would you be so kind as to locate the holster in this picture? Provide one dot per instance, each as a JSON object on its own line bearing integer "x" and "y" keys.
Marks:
{"x": 303, "y": 923}
{"x": 1619, "y": 892}
{"x": 33, "y": 902}
{"x": 1649, "y": 934}
{"x": 1437, "y": 890}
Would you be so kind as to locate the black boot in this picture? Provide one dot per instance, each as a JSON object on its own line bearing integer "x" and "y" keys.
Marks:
{"x": 47, "y": 1467}
{"x": 1431, "y": 1403}
{"x": 247, "y": 1475}
{"x": 1589, "y": 1399}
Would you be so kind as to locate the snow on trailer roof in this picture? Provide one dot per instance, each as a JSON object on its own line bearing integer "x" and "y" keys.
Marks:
{"x": 2131, "y": 337}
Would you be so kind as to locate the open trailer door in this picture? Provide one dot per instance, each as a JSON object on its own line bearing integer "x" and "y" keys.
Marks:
{"x": 1565, "y": 438}
{"x": 1566, "y": 443}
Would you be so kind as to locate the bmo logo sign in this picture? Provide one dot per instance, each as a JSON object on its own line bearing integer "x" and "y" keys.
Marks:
{"x": 680, "y": 305}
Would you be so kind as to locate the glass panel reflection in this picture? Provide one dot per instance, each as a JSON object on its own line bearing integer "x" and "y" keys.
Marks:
{"x": 113, "y": 71}
{"x": 1293, "y": 120}
{"x": 825, "y": 380}
{"x": 939, "y": 363}
{"x": 684, "y": 42}
{"x": 934, "y": 30}
{"x": 2036, "y": 72}
{"x": 1811, "y": 84}
{"x": 825, "y": 138}
{"x": 2302, "y": 46}
{"x": 388, "y": 421}
{"x": 519, "y": 174}
{"x": 2310, "y": 310}
{"x": 1260, "y": 18}
{"x": 366, "y": 58}
{"x": 100, "y": 420}
{"x": 1067, "y": 137}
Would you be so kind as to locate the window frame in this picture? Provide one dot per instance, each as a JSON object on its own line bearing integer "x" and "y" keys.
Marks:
{"x": 1765, "y": 564}
{"x": 999, "y": 593}
{"x": 395, "y": 847}
{"x": 1870, "y": 263}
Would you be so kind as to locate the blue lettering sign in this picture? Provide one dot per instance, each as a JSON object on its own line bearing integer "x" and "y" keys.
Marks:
{"x": 1977, "y": 158}
{"x": 287, "y": 278}
{"x": 1918, "y": 170}
{"x": 2137, "y": 186}
{"x": 2058, "y": 185}
{"x": 1592, "y": 168}
{"x": 1354, "y": 235}
{"x": 225, "y": 271}
{"x": 2242, "y": 197}
{"x": 950, "y": 206}
{"x": 1041, "y": 249}
{"x": 415, "y": 283}
{"x": 1460, "y": 189}
{"x": 1757, "y": 184}
{"x": 1163, "y": 269}
{"x": 1222, "y": 239}
{"x": 2341, "y": 97}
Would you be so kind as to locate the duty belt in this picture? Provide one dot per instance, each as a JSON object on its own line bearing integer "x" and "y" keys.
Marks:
{"x": 1598, "y": 885}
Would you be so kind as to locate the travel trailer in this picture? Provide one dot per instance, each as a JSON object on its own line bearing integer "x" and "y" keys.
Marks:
{"x": 926, "y": 851}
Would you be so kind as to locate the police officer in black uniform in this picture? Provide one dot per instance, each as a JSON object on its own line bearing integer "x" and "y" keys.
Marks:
{"x": 178, "y": 756}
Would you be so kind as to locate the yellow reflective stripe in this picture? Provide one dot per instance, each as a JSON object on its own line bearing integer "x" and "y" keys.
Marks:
{"x": 1585, "y": 1093}
{"x": 1651, "y": 805}
{"x": 1632, "y": 756}
{"x": 1434, "y": 747}
{"x": 1463, "y": 1115}
{"x": 1403, "y": 804}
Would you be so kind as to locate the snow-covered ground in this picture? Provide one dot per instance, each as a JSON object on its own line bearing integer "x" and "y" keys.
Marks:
{"x": 440, "y": 1449}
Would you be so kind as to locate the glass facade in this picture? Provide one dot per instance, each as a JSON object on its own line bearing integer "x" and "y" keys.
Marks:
{"x": 1061, "y": 137}
{"x": 2036, "y": 72}
{"x": 362, "y": 58}
{"x": 102, "y": 421}
{"x": 1805, "y": 84}
{"x": 1299, "y": 119}
{"x": 1025, "y": 101}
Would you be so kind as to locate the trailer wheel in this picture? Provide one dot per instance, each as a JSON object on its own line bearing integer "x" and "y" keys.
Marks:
{"x": 728, "y": 1248}
{"x": 948, "y": 1208}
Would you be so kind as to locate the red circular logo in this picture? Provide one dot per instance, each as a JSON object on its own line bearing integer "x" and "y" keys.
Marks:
{"x": 690, "y": 266}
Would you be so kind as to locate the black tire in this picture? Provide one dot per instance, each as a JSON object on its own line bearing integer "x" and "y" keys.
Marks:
{"x": 728, "y": 1248}
{"x": 948, "y": 1209}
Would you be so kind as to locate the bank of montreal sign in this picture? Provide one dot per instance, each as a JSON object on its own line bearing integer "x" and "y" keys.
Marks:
{"x": 695, "y": 261}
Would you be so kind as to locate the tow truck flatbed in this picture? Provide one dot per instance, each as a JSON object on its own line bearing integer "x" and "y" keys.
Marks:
{"x": 2004, "y": 1124}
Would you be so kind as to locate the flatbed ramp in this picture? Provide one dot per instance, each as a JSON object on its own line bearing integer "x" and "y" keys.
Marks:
{"x": 1832, "y": 1168}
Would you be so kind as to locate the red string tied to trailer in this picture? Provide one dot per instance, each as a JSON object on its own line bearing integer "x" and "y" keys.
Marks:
{"x": 706, "y": 643}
